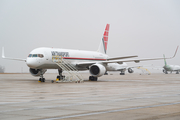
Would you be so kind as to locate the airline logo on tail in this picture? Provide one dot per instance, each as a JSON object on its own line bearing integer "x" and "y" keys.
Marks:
{"x": 105, "y": 37}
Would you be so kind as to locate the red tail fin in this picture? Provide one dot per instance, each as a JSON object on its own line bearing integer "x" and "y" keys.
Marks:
{"x": 105, "y": 37}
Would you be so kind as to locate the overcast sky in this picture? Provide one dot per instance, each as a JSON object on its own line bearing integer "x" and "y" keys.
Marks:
{"x": 147, "y": 28}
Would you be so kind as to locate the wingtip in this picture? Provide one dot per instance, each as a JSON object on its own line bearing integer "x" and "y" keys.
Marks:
{"x": 176, "y": 51}
{"x": 3, "y": 56}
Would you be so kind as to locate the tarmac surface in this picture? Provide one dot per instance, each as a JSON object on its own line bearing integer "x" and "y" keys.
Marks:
{"x": 112, "y": 97}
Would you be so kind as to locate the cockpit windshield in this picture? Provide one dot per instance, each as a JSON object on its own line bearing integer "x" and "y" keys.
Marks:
{"x": 30, "y": 55}
{"x": 36, "y": 55}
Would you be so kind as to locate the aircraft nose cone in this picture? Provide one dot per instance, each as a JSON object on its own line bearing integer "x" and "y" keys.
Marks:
{"x": 32, "y": 63}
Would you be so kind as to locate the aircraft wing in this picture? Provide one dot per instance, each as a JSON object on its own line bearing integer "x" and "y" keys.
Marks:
{"x": 109, "y": 59}
{"x": 86, "y": 63}
{"x": 121, "y": 61}
{"x": 138, "y": 60}
{"x": 115, "y": 58}
{"x": 116, "y": 61}
{"x": 3, "y": 56}
{"x": 135, "y": 60}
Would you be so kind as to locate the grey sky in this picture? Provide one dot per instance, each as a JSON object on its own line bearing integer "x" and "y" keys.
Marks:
{"x": 147, "y": 28}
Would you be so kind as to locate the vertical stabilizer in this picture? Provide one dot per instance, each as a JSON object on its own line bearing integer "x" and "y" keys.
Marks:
{"x": 165, "y": 61}
{"x": 104, "y": 42}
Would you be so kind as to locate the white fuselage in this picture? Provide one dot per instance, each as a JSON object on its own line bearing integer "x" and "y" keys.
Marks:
{"x": 172, "y": 68}
{"x": 41, "y": 58}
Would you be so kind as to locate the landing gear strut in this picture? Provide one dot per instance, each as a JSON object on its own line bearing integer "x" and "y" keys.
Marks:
{"x": 123, "y": 72}
{"x": 41, "y": 79}
{"x": 60, "y": 76}
{"x": 92, "y": 78}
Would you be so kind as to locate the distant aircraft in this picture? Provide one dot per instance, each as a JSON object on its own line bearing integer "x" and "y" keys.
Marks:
{"x": 97, "y": 62}
{"x": 1, "y": 69}
{"x": 170, "y": 68}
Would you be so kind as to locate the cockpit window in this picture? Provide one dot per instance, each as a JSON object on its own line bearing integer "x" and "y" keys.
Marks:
{"x": 36, "y": 55}
{"x": 30, "y": 55}
{"x": 40, "y": 55}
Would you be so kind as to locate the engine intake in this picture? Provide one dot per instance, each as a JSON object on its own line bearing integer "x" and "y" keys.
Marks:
{"x": 97, "y": 70}
{"x": 37, "y": 72}
{"x": 130, "y": 70}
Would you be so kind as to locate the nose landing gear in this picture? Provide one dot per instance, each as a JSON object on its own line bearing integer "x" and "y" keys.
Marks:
{"x": 41, "y": 79}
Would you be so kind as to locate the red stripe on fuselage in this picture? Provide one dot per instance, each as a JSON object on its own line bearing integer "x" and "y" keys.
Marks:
{"x": 82, "y": 58}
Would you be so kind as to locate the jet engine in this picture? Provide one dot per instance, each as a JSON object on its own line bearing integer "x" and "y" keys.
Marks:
{"x": 97, "y": 70}
{"x": 130, "y": 70}
{"x": 37, "y": 72}
{"x": 164, "y": 71}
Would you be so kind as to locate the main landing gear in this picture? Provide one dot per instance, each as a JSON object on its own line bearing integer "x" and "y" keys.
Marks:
{"x": 105, "y": 73}
{"x": 60, "y": 76}
{"x": 92, "y": 78}
{"x": 122, "y": 73}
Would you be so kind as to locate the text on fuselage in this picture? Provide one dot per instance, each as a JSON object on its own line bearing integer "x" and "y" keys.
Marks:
{"x": 63, "y": 54}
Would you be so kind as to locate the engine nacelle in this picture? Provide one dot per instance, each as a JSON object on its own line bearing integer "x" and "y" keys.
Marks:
{"x": 164, "y": 71}
{"x": 97, "y": 70}
{"x": 130, "y": 70}
{"x": 37, "y": 72}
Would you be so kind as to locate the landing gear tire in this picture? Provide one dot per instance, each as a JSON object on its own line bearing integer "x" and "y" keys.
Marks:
{"x": 41, "y": 79}
{"x": 177, "y": 72}
{"x": 122, "y": 73}
{"x": 105, "y": 73}
{"x": 60, "y": 77}
{"x": 92, "y": 78}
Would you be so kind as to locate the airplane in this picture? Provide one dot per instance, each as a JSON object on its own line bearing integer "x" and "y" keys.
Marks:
{"x": 1, "y": 69}
{"x": 170, "y": 68}
{"x": 97, "y": 62}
